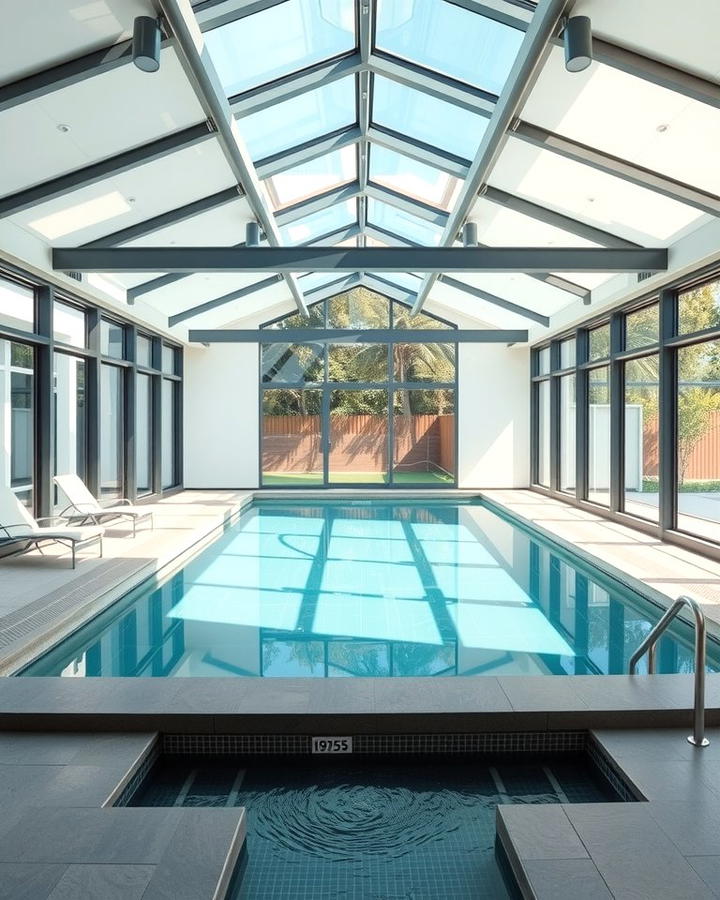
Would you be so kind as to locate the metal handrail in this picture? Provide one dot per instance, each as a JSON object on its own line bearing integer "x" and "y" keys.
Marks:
{"x": 649, "y": 646}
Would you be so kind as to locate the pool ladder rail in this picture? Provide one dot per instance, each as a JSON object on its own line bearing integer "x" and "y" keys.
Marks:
{"x": 649, "y": 646}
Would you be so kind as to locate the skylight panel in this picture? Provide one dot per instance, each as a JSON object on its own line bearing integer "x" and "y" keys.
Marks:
{"x": 317, "y": 279}
{"x": 81, "y": 215}
{"x": 300, "y": 119}
{"x": 451, "y": 40}
{"x": 415, "y": 179}
{"x": 427, "y": 119}
{"x": 272, "y": 43}
{"x": 313, "y": 177}
{"x": 402, "y": 223}
{"x": 340, "y": 215}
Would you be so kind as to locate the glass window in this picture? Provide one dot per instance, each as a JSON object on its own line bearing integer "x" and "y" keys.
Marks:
{"x": 358, "y": 437}
{"x": 567, "y": 353}
{"x": 599, "y": 342}
{"x": 292, "y": 437}
{"x": 276, "y": 41}
{"x": 424, "y": 437}
{"x": 543, "y": 437}
{"x": 169, "y": 394}
{"x": 567, "y": 433}
{"x": 143, "y": 433}
{"x": 318, "y": 224}
{"x": 424, "y": 362}
{"x": 415, "y": 179}
{"x": 359, "y": 308}
{"x": 424, "y": 118}
{"x": 17, "y": 306}
{"x": 699, "y": 308}
{"x": 313, "y": 177}
{"x": 403, "y": 318}
{"x": 543, "y": 361}
{"x": 599, "y": 435}
{"x": 143, "y": 351}
{"x": 17, "y": 443}
{"x": 642, "y": 327}
{"x": 314, "y": 319}
{"x": 449, "y": 39}
{"x": 169, "y": 360}
{"x": 642, "y": 414}
{"x": 292, "y": 363}
{"x": 402, "y": 223}
{"x": 112, "y": 339}
{"x": 111, "y": 431}
{"x": 70, "y": 416}
{"x": 698, "y": 439}
{"x": 300, "y": 119}
{"x": 358, "y": 362}
{"x": 69, "y": 324}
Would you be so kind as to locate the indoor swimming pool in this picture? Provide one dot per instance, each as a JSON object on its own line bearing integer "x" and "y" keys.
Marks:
{"x": 374, "y": 588}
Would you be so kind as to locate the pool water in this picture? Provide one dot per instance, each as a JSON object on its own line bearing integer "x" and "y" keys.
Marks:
{"x": 373, "y": 588}
{"x": 418, "y": 828}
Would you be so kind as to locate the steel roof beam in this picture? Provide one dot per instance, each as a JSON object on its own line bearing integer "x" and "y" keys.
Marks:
{"x": 417, "y": 150}
{"x": 302, "y": 153}
{"x": 424, "y": 211}
{"x": 524, "y": 72}
{"x": 209, "y": 305}
{"x": 316, "y": 203}
{"x": 362, "y": 259}
{"x": 494, "y": 300}
{"x": 356, "y": 336}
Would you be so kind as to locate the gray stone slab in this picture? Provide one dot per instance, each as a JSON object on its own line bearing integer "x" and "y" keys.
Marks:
{"x": 40, "y": 749}
{"x": 566, "y": 879}
{"x": 633, "y": 855}
{"x": 682, "y": 780}
{"x": 72, "y": 786}
{"x": 539, "y": 832}
{"x": 546, "y": 694}
{"x": 708, "y": 868}
{"x": 113, "y": 749}
{"x": 656, "y": 744}
{"x": 28, "y": 881}
{"x": 692, "y": 824}
{"x": 103, "y": 882}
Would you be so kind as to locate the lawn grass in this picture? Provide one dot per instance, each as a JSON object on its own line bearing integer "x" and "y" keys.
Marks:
{"x": 652, "y": 486}
{"x": 314, "y": 479}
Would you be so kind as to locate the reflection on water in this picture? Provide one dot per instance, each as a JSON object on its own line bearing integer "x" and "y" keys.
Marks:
{"x": 374, "y": 589}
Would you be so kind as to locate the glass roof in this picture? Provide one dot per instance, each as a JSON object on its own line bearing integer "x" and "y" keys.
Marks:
{"x": 444, "y": 37}
{"x": 402, "y": 223}
{"x": 415, "y": 179}
{"x": 292, "y": 35}
{"x": 313, "y": 177}
{"x": 300, "y": 119}
{"x": 320, "y": 223}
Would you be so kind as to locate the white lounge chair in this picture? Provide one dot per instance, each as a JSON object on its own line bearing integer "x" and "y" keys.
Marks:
{"x": 86, "y": 508}
{"x": 19, "y": 531}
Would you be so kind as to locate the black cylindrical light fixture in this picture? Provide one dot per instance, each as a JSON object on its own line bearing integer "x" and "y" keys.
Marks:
{"x": 577, "y": 38}
{"x": 470, "y": 238}
{"x": 252, "y": 234}
{"x": 146, "y": 44}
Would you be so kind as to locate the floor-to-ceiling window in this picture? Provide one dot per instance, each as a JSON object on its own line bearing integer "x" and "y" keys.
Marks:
{"x": 358, "y": 413}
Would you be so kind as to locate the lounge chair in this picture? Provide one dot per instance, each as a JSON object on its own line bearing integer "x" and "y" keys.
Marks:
{"x": 20, "y": 532}
{"x": 85, "y": 508}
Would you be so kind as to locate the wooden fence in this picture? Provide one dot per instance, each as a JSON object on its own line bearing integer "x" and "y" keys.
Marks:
{"x": 704, "y": 461}
{"x": 359, "y": 443}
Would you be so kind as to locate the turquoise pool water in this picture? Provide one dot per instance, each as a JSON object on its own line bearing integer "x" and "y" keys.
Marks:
{"x": 372, "y": 588}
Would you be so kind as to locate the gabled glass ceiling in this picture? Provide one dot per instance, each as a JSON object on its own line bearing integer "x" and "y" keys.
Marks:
{"x": 415, "y": 179}
{"x": 320, "y": 223}
{"x": 402, "y": 223}
{"x": 313, "y": 177}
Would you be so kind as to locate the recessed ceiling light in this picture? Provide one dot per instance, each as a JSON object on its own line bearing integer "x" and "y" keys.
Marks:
{"x": 63, "y": 128}
{"x": 131, "y": 200}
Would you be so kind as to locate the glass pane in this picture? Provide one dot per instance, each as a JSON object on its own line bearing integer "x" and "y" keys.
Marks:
{"x": 292, "y": 363}
{"x": 17, "y": 306}
{"x": 169, "y": 360}
{"x": 642, "y": 413}
{"x": 143, "y": 351}
{"x": 292, "y": 438}
{"x": 427, "y": 119}
{"x": 403, "y": 318}
{"x": 313, "y": 177}
{"x": 424, "y": 442}
{"x": 599, "y": 342}
{"x": 69, "y": 324}
{"x": 272, "y": 43}
{"x": 567, "y": 433}
{"x": 415, "y": 179}
{"x": 20, "y": 442}
{"x": 424, "y": 362}
{"x": 699, "y": 308}
{"x": 314, "y": 319}
{"x": 642, "y": 327}
{"x": 111, "y": 431}
{"x": 358, "y": 437}
{"x": 358, "y": 362}
{"x": 359, "y": 308}
{"x": 543, "y": 358}
{"x": 317, "y": 279}
{"x": 70, "y": 417}
{"x": 169, "y": 474}
{"x": 698, "y": 460}
{"x": 402, "y": 223}
{"x": 339, "y": 215}
{"x": 111, "y": 339}
{"x": 567, "y": 353}
{"x": 143, "y": 434}
{"x": 543, "y": 436}
{"x": 300, "y": 119}
{"x": 449, "y": 39}
{"x": 599, "y": 435}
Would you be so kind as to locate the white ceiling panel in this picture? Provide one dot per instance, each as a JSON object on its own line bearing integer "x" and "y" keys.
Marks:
{"x": 595, "y": 197}
{"x": 222, "y": 226}
{"x": 522, "y": 289}
{"x": 199, "y": 288}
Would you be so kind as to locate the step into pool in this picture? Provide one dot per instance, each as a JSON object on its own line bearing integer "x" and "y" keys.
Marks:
{"x": 374, "y": 588}
{"x": 408, "y": 827}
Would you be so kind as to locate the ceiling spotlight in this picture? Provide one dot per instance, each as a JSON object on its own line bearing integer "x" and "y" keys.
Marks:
{"x": 577, "y": 38}
{"x": 469, "y": 234}
{"x": 146, "y": 44}
{"x": 252, "y": 234}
